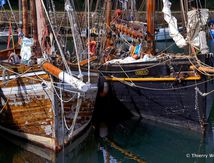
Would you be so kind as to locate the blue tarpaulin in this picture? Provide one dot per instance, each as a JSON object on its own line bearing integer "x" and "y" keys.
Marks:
{"x": 2, "y": 2}
{"x": 211, "y": 21}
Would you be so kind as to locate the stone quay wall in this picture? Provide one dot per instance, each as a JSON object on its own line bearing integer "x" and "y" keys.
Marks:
{"x": 7, "y": 16}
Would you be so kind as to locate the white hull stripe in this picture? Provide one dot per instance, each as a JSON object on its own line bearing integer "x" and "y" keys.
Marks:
{"x": 25, "y": 75}
{"x": 27, "y": 89}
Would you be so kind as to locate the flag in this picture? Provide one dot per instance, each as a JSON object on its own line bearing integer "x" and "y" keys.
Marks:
{"x": 2, "y": 2}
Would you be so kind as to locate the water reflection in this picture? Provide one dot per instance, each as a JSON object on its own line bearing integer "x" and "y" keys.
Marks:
{"x": 142, "y": 141}
{"x": 82, "y": 149}
{"x": 130, "y": 141}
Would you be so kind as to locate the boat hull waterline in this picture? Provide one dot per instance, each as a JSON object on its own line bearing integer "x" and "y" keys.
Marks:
{"x": 153, "y": 91}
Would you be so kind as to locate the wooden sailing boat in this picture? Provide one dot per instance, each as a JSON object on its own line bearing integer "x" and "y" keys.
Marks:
{"x": 175, "y": 89}
{"x": 40, "y": 102}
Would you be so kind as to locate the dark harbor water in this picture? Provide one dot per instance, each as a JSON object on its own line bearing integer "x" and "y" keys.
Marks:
{"x": 128, "y": 141}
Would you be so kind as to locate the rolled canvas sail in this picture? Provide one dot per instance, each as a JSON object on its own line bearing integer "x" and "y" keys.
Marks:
{"x": 173, "y": 27}
{"x": 197, "y": 19}
{"x": 26, "y": 49}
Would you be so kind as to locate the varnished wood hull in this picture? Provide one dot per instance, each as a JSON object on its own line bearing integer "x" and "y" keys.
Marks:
{"x": 31, "y": 106}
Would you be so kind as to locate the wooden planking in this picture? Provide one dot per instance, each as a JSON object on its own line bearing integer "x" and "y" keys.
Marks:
{"x": 28, "y": 112}
{"x": 20, "y": 68}
{"x": 4, "y": 54}
{"x": 33, "y": 124}
{"x": 24, "y": 81}
{"x": 47, "y": 142}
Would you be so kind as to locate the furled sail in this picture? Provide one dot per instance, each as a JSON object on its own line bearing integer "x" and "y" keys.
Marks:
{"x": 25, "y": 53}
{"x": 197, "y": 20}
{"x": 196, "y": 36}
{"x": 41, "y": 24}
{"x": 74, "y": 28}
{"x": 65, "y": 77}
{"x": 173, "y": 27}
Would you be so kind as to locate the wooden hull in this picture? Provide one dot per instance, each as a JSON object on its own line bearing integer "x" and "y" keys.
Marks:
{"x": 163, "y": 92}
{"x": 31, "y": 106}
{"x": 31, "y": 152}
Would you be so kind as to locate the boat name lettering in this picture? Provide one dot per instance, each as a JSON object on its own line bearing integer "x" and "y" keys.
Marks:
{"x": 142, "y": 72}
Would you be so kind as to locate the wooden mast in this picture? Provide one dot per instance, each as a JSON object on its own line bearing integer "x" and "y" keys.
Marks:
{"x": 183, "y": 13}
{"x": 20, "y": 13}
{"x": 34, "y": 20}
{"x": 41, "y": 23}
{"x": 25, "y": 17}
{"x": 150, "y": 26}
{"x": 108, "y": 22}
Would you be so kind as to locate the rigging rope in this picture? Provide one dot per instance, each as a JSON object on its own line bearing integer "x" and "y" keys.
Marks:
{"x": 79, "y": 102}
{"x": 57, "y": 41}
{"x": 89, "y": 39}
{"x": 5, "y": 105}
{"x": 203, "y": 94}
{"x": 69, "y": 10}
{"x": 12, "y": 13}
{"x": 160, "y": 89}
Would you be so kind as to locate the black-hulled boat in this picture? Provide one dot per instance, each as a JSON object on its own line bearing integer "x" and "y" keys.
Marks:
{"x": 175, "y": 89}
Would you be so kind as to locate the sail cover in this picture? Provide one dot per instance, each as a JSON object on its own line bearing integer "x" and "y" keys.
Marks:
{"x": 196, "y": 36}
{"x": 197, "y": 20}
{"x": 26, "y": 50}
{"x": 173, "y": 27}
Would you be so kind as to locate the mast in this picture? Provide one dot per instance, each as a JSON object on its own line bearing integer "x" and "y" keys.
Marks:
{"x": 34, "y": 20}
{"x": 132, "y": 9}
{"x": 91, "y": 5}
{"x": 150, "y": 26}
{"x": 108, "y": 22}
{"x": 25, "y": 17}
{"x": 183, "y": 13}
{"x": 97, "y": 4}
{"x": 20, "y": 13}
{"x": 41, "y": 24}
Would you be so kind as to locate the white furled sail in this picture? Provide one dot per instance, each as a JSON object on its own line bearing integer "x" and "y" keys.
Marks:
{"x": 65, "y": 77}
{"x": 196, "y": 36}
{"x": 197, "y": 20}
{"x": 173, "y": 27}
{"x": 26, "y": 50}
